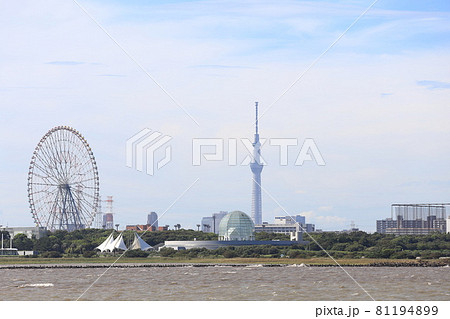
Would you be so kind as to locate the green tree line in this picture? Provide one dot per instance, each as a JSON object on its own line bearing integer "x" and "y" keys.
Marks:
{"x": 339, "y": 245}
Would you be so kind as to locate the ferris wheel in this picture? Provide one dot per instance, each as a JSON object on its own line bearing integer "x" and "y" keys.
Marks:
{"x": 63, "y": 183}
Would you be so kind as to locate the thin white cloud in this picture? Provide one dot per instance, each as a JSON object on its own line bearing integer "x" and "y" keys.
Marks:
{"x": 65, "y": 63}
{"x": 218, "y": 66}
{"x": 433, "y": 85}
{"x": 332, "y": 222}
{"x": 112, "y": 75}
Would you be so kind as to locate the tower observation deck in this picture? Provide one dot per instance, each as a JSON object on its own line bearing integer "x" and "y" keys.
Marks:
{"x": 256, "y": 167}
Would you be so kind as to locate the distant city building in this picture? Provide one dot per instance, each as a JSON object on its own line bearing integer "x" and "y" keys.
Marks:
{"x": 384, "y": 224}
{"x": 297, "y": 235}
{"x": 108, "y": 217}
{"x": 30, "y": 232}
{"x": 275, "y": 228}
{"x": 108, "y": 221}
{"x": 414, "y": 219}
{"x": 284, "y": 229}
{"x": 236, "y": 225}
{"x": 152, "y": 224}
{"x": 448, "y": 225}
{"x": 163, "y": 228}
{"x": 352, "y": 229}
{"x": 286, "y": 225}
{"x": 211, "y": 224}
{"x": 235, "y": 229}
{"x": 217, "y": 218}
{"x": 290, "y": 219}
{"x": 141, "y": 228}
{"x": 7, "y": 251}
{"x": 152, "y": 219}
{"x": 310, "y": 228}
{"x": 214, "y": 244}
{"x": 207, "y": 224}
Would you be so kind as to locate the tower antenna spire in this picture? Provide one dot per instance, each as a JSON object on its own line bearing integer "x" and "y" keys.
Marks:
{"x": 256, "y": 104}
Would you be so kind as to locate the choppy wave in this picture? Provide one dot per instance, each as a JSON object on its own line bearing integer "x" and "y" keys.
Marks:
{"x": 255, "y": 283}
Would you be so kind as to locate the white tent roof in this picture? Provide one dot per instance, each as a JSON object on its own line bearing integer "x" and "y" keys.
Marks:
{"x": 139, "y": 243}
{"x": 102, "y": 247}
{"x": 117, "y": 243}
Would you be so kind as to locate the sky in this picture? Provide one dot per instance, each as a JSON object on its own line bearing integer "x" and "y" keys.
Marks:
{"x": 376, "y": 104}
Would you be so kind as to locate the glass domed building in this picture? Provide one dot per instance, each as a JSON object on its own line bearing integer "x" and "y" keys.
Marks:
{"x": 236, "y": 225}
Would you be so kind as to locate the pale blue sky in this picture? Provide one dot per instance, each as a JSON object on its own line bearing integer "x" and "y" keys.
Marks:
{"x": 376, "y": 103}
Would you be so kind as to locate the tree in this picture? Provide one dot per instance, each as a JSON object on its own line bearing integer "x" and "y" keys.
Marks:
{"x": 208, "y": 227}
{"x": 297, "y": 254}
{"x": 339, "y": 246}
{"x": 22, "y": 242}
{"x": 355, "y": 247}
{"x": 167, "y": 252}
{"x": 50, "y": 243}
{"x": 5, "y": 234}
{"x": 89, "y": 254}
{"x": 229, "y": 254}
{"x": 136, "y": 253}
{"x": 51, "y": 254}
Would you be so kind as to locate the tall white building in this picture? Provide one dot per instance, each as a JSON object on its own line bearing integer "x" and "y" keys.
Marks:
{"x": 211, "y": 224}
{"x": 108, "y": 217}
{"x": 256, "y": 167}
{"x": 448, "y": 225}
{"x": 152, "y": 219}
{"x": 108, "y": 221}
{"x": 207, "y": 224}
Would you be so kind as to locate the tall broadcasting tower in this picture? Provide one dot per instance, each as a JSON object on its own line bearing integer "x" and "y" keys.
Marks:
{"x": 256, "y": 167}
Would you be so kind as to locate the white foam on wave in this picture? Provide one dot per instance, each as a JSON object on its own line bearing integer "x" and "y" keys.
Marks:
{"x": 297, "y": 265}
{"x": 37, "y": 285}
{"x": 254, "y": 266}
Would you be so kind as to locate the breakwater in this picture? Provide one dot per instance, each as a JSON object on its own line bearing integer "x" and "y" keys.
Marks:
{"x": 203, "y": 265}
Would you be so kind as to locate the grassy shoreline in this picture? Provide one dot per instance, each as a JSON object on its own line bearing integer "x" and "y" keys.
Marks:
{"x": 322, "y": 261}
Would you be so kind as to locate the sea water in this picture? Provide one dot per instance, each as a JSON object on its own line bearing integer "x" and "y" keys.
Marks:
{"x": 227, "y": 283}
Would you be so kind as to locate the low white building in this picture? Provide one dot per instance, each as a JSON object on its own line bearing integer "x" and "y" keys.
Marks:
{"x": 290, "y": 220}
{"x": 37, "y": 232}
{"x": 284, "y": 228}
